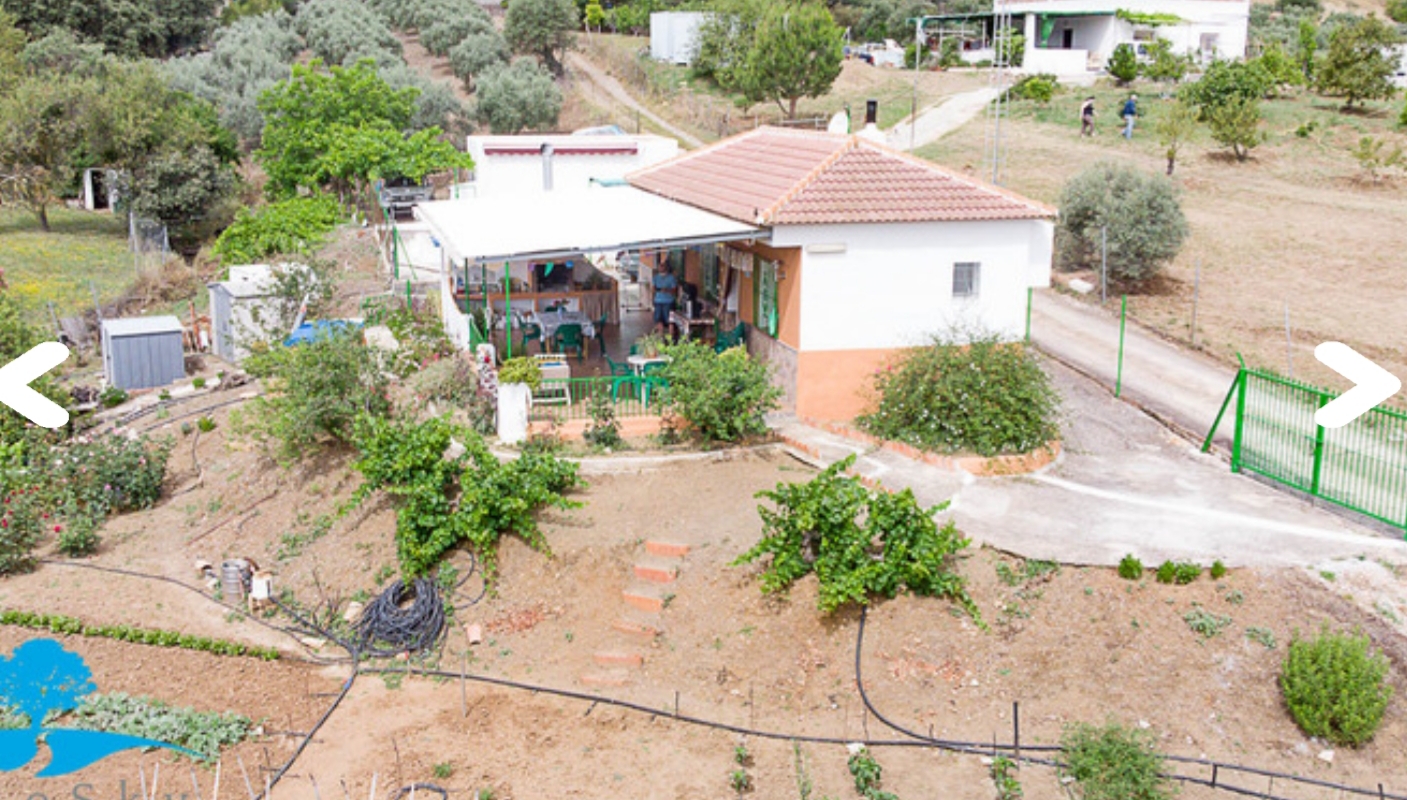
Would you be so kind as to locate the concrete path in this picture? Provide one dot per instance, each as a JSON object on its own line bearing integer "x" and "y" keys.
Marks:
{"x": 1179, "y": 386}
{"x": 1124, "y": 484}
{"x": 611, "y": 86}
{"x": 936, "y": 121}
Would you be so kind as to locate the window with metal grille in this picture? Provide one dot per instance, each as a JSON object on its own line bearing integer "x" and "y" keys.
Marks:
{"x": 967, "y": 279}
{"x": 708, "y": 254}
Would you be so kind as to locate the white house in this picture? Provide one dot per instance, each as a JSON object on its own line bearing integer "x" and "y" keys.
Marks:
{"x": 674, "y": 35}
{"x": 532, "y": 163}
{"x": 1077, "y": 37}
{"x": 870, "y": 251}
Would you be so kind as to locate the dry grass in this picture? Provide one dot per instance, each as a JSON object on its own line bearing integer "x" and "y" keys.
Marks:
{"x": 1294, "y": 225}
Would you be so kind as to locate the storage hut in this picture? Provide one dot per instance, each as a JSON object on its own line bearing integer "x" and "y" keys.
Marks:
{"x": 239, "y": 307}
{"x": 143, "y": 352}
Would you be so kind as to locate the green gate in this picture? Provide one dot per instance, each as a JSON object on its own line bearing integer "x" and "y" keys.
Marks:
{"x": 1361, "y": 466}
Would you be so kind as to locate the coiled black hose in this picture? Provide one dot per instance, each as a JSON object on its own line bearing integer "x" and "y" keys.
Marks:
{"x": 388, "y": 627}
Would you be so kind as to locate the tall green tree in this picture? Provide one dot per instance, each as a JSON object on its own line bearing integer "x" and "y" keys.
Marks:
{"x": 476, "y": 54}
{"x": 129, "y": 28}
{"x": 545, "y": 29}
{"x": 1307, "y": 46}
{"x": 725, "y": 40}
{"x": 190, "y": 191}
{"x": 1360, "y": 62}
{"x": 1138, "y": 211}
{"x": 1237, "y": 125}
{"x": 517, "y": 97}
{"x": 43, "y": 126}
{"x": 795, "y": 53}
{"x": 12, "y": 43}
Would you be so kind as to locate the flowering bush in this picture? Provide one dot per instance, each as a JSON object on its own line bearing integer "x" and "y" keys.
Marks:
{"x": 985, "y": 396}
{"x": 68, "y": 490}
{"x": 724, "y": 396}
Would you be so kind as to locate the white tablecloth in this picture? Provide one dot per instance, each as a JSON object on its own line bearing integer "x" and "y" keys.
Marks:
{"x": 550, "y": 321}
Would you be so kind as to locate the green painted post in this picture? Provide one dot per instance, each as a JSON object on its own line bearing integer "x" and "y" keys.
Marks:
{"x": 1240, "y": 419}
{"x": 1318, "y": 452}
{"x": 1119, "y": 376}
{"x": 508, "y": 308}
{"x": 408, "y": 300}
{"x": 395, "y": 252}
{"x": 1207, "y": 443}
{"x": 1030, "y": 294}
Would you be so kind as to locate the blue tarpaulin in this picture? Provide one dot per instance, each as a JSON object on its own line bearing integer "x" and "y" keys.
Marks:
{"x": 310, "y": 331}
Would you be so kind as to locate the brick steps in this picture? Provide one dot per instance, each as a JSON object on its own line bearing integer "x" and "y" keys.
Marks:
{"x": 645, "y": 598}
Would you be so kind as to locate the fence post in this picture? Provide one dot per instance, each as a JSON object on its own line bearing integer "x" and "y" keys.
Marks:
{"x": 1318, "y": 451}
{"x": 1030, "y": 295}
{"x": 1119, "y": 375}
{"x": 1240, "y": 420}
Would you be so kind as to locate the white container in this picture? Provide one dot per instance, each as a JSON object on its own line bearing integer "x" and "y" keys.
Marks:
{"x": 514, "y": 400}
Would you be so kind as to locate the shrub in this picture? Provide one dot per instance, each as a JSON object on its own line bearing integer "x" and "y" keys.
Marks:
{"x": 1397, "y": 11}
{"x": 858, "y": 542}
{"x": 1218, "y": 570}
{"x": 1236, "y": 125}
{"x": 442, "y": 502}
{"x": 868, "y": 775}
{"x": 1335, "y": 686}
{"x": 523, "y": 369}
{"x": 1186, "y": 572}
{"x": 1040, "y": 88}
{"x": 420, "y": 339}
{"x": 1205, "y": 623}
{"x": 313, "y": 393}
{"x": 292, "y": 227}
{"x": 982, "y": 395}
{"x": 202, "y": 732}
{"x": 1130, "y": 568}
{"x": 1123, "y": 64}
{"x": 1139, "y": 212}
{"x": 112, "y": 397}
{"x": 604, "y": 430}
{"x": 477, "y": 53}
{"x": 1224, "y": 82}
{"x": 723, "y": 396}
{"x": 446, "y": 33}
{"x": 198, "y": 383}
{"x": 78, "y": 538}
{"x": 1114, "y": 763}
{"x": 205, "y": 424}
{"x": 1167, "y": 572}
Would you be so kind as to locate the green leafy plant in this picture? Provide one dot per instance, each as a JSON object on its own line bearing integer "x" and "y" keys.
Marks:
{"x": 1335, "y": 686}
{"x": 740, "y": 780}
{"x": 205, "y": 733}
{"x": 523, "y": 370}
{"x": 741, "y": 755}
{"x": 1205, "y": 623}
{"x": 1235, "y": 597}
{"x": 442, "y": 502}
{"x": 205, "y": 424}
{"x": 1218, "y": 570}
{"x": 1375, "y": 158}
{"x": 830, "y": 525}
{"x": 443, "y": 770}
{"x": 1040, "y": 88}
{"x": 1261, "y": 636}
{"x": 293, "y": 227}
{"x": 1031, "y": 569}
{"x": 723, "y": 396}
{"x": 868, "y": 775}
{"x": 1123, "y": 64}
{"x": 55, "y": 623}
{"x": 1130, "y": 568}
{"x": 1167, "y": 572}
{"x": 965, "y": 393}
{"x": 198, "y": 383}
{"x": 112, "y": 396}
{"x": 1111, "y": 762}
{"x": 1004, "y": 776}
{"x": 604, "y": 430}
{"x": 1185, "y": 572}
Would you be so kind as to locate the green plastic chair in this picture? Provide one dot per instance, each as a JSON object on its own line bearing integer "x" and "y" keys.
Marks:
{"x": 569, "y": 337}
{"x": 730, "y": 339}
{"x": 618, "y": 369}
{"x": 531, "y": 333}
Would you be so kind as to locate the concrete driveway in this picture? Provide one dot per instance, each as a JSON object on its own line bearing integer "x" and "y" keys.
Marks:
{"x": 1126, "y": 484}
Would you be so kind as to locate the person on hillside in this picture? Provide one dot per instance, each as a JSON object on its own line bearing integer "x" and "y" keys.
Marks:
{"x": 666, "y": 291}
{"x": 1129, "y": 113}
{"x": 1087, "y": 117}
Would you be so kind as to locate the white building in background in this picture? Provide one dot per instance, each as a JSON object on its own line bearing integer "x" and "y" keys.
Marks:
{"x": 674, "y": 35}
{"x": 533, "y": 163}
{"x": 1076, "y": 37}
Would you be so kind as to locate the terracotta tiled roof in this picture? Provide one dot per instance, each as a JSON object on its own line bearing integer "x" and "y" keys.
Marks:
{"x": 775, "y": 176}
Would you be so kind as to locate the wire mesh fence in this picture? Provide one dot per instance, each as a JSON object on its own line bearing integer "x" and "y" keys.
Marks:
{"x": 149, "y": 243}
{"x": 565, "y": 399}
{"x": 1361, "y": 466}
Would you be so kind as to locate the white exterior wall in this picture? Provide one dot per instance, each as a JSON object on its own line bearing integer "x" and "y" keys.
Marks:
{"x": 1227, "y": 21}
{"x": 522, "y": 173}
{"x": 674, "y": 35}
{"x": 892, "y": 287}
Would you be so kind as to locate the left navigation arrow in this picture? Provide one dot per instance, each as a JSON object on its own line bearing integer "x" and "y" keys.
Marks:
{"x": 16, "y": 376}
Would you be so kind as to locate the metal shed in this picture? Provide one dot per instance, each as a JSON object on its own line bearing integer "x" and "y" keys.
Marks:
{"x": 142, "y": 352}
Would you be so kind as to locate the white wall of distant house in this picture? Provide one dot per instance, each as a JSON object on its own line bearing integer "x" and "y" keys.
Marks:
{"x": 893, "y": 284}
{"x": 674, "y": 35}
{"x": 1210, "y": 28}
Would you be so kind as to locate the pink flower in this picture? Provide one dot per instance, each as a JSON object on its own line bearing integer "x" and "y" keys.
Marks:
{"x": 58, "y": 528}
{"x": 5, "y": 523}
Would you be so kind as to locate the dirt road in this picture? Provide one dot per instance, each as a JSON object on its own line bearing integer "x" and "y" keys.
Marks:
{"x": 947, "y": 116}
{"x": 598, "y": 76}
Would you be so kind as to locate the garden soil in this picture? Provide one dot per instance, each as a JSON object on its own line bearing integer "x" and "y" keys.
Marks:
{"x": 1075, "y": 645}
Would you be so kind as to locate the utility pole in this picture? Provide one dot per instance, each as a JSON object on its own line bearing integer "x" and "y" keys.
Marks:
{"x": 918, "y": 59}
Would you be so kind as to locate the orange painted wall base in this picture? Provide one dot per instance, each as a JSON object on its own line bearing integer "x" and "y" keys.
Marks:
{"x": 836, "y": 384}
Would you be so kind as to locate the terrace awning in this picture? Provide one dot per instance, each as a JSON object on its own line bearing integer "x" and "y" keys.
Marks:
{"x": 559, "y": 224}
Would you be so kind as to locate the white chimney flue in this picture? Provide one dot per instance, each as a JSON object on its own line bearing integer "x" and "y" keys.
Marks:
{"x": 547, "y": 167}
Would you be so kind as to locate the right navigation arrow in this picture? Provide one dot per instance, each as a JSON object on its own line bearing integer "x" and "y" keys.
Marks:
{"x": 1373, "y": 384}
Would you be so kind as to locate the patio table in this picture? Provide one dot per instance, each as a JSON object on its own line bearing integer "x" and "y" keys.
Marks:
{"x": 550, "y": 321}
{"x": 639, "y": 362}
{"x": 687, "y": 325}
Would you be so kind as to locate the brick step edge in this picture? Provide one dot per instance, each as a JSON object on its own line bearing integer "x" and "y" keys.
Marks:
{"x": 656, "y": 574}
{"x": 635, "y": 628}
{"x": 610, "y": 659}
{"x": 670, "y": 549}
{"x": 644, "y": 602}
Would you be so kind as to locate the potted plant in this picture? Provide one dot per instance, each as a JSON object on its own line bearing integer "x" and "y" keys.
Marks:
{"x": 518, "y": 378}
{"x": 650, "y": 345}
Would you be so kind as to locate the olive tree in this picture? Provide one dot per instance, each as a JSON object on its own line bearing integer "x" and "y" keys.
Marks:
{"x": 1137, "y": 211}
{"x": 517, "y": 97}
{"x": 545, "y": 29}
{"x": 476, "y": 54}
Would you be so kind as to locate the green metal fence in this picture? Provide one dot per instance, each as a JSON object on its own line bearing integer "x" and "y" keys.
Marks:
{"x": 572, "y": 398}
{"x": 1361, "y": 466}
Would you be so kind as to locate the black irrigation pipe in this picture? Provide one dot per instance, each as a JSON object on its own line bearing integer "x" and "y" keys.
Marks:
{"x": 129, "y": 418}
{"x": 1216, "y": 766}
